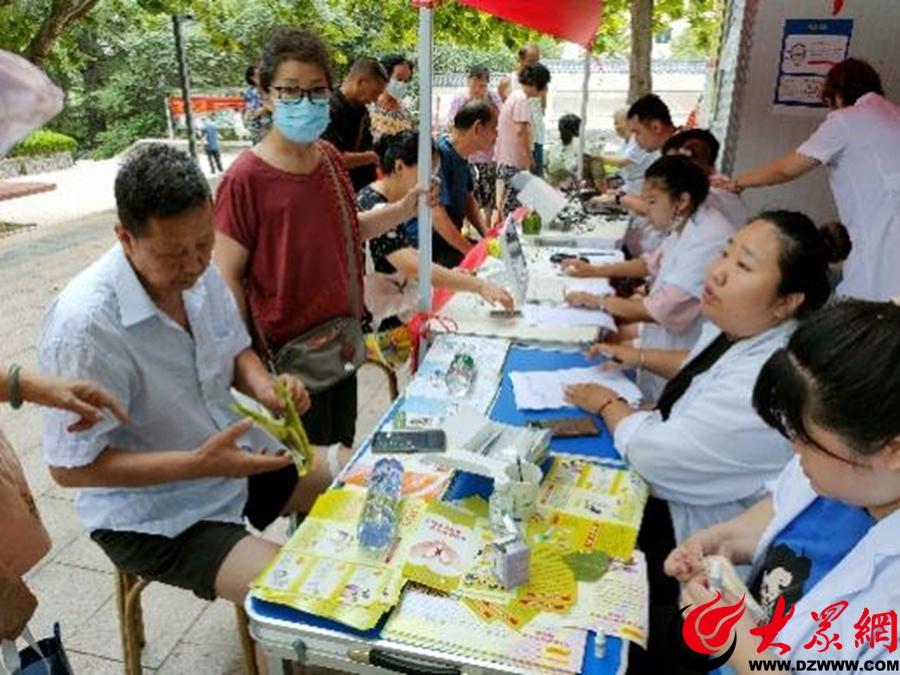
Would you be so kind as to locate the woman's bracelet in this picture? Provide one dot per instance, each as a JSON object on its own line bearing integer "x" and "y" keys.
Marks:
{"x": 13, "y": 386}
{"x": 608, "y": 402}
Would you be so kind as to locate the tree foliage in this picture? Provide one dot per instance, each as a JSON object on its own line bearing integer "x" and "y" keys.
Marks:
{"x": 115, "y": 58}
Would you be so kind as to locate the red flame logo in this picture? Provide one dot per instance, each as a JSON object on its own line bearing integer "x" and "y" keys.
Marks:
{"x": 707, "y": 630}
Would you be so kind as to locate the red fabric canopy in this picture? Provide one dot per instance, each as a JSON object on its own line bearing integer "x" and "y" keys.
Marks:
{"x": 573, "y": 20}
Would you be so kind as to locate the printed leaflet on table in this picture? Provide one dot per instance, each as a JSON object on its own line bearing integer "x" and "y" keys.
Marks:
{"x": 322, "y": 570}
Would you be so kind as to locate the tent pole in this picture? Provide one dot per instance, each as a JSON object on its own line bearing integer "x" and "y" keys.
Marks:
{"x": 582, "y": 141}
{"x": 426, "y": 40}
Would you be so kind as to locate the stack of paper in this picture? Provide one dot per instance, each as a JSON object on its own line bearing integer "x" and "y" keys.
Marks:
{"x": 543, "y": 389}
{"x": 552, "y": 290}
{"x": 443, "y": 623}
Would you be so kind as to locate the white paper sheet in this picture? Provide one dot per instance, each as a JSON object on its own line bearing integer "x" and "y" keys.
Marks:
{"x": 552, "y": 289}
{"x": 604, "y": 257}
{"x": 539, "y": 195}
{"x": 541, "y": 315}
{"x": 543, "y": 389}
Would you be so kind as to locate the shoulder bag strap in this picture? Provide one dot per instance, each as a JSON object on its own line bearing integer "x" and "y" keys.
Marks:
{"x": 341, "y": 195}
{"x": 258, "y": 337}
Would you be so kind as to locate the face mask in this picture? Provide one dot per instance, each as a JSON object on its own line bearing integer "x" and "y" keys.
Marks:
{"x": 301, "y": 121}
{"x": 397, "y": 89}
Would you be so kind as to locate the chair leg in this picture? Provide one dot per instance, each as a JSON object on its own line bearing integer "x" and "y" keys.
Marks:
{"x": 248, "y": 649}
{"x": 139, "y": 619}
{"x": 393, "y": 385}
{"x": 121, "y": 593}
{"x": 131, "y": 620}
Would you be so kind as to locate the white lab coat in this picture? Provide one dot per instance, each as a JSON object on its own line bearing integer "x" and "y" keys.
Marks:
{"x": 686, "y": 257}
{"x": 860, "y": 145}
{"x": 714, "y": 455}
{"x": 732, "y": 205}
{"x": 867, "y": 577}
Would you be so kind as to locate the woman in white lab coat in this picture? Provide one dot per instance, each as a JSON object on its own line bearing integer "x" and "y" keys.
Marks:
{"x": 830, "y": 531}
{"x": 704, "y": 451}
{"x": 675, "y": 190}
{"x": 859, "y": 141}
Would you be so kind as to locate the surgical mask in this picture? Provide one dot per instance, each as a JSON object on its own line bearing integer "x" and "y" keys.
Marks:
{"x": 397, "y": 89}
{"x": 301, "y": 121}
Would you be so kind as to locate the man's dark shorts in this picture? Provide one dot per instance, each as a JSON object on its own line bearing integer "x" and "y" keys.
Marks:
{"x": 192, "y": 559}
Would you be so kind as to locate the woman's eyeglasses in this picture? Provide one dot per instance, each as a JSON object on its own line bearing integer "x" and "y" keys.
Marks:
{"x": 318, "y": 95}
{"x": 811, "y": 443}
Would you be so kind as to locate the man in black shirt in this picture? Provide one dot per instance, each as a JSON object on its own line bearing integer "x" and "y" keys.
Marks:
{"x": 350, "y": 130}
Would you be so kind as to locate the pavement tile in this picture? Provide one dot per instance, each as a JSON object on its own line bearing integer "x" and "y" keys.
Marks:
{"x": 69, "y": 595}
{"x": 168, "y": 613}
{"x": 88, "y": 664}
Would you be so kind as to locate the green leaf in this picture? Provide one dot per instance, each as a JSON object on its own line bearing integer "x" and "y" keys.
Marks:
{"x": 589, "y": 566}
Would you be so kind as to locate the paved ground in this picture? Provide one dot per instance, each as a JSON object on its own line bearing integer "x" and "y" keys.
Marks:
{"x": 74, "y": 583}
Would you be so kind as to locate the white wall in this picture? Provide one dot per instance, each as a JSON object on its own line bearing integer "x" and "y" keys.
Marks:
{"x": 761, "y": 134}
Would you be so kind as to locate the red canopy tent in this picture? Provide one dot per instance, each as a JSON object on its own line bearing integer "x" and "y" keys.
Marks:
{"x": 573, "y": 20}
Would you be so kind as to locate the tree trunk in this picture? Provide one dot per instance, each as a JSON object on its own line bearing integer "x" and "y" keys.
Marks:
{"x": 62, "y": 14}
{"x": 640, "y": 76}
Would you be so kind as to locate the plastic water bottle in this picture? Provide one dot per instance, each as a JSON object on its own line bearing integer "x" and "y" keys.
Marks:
{"x": 460, "y": 375}
{"x": 378, "y": 521}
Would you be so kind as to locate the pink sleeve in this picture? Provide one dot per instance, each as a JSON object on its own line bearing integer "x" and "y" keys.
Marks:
{"x": 672, "y": 308}
{"x": 653, "y": 261}
{"x": 522, "y": 111}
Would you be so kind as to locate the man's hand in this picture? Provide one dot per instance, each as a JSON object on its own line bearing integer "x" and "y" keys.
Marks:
{"x": 576, "y": 267}
{"x": 85, "y": 399}
{"x": 608, "y": 198}
{"x": 220, "y": 455}
{"x": 295, "y": 386}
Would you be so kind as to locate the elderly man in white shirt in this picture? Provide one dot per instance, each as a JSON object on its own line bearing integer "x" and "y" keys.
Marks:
{"x": 860, "y": 143}
{"x": 166, "y": 493}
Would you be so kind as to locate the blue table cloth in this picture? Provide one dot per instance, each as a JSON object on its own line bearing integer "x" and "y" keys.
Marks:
{"x": 520, "y": 358}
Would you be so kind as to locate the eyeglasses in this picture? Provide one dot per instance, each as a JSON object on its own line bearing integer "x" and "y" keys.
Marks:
{"x": 810, "y": 442}
{"x": 317, "y": 95}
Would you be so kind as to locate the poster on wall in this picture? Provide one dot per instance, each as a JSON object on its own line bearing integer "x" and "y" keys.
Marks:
{"x": 809, "y": 48}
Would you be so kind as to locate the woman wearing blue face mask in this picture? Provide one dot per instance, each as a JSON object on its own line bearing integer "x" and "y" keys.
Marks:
{"x": 389, "y": 115}
{"x": 289, "y": 241}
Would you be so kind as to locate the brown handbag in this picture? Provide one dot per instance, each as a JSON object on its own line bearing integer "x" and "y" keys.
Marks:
{"x": 328, "y": 353}
{"x": 23, "y": 538}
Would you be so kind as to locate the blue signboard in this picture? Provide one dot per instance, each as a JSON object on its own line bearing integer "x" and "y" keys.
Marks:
{"x": 809, "y": 48}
